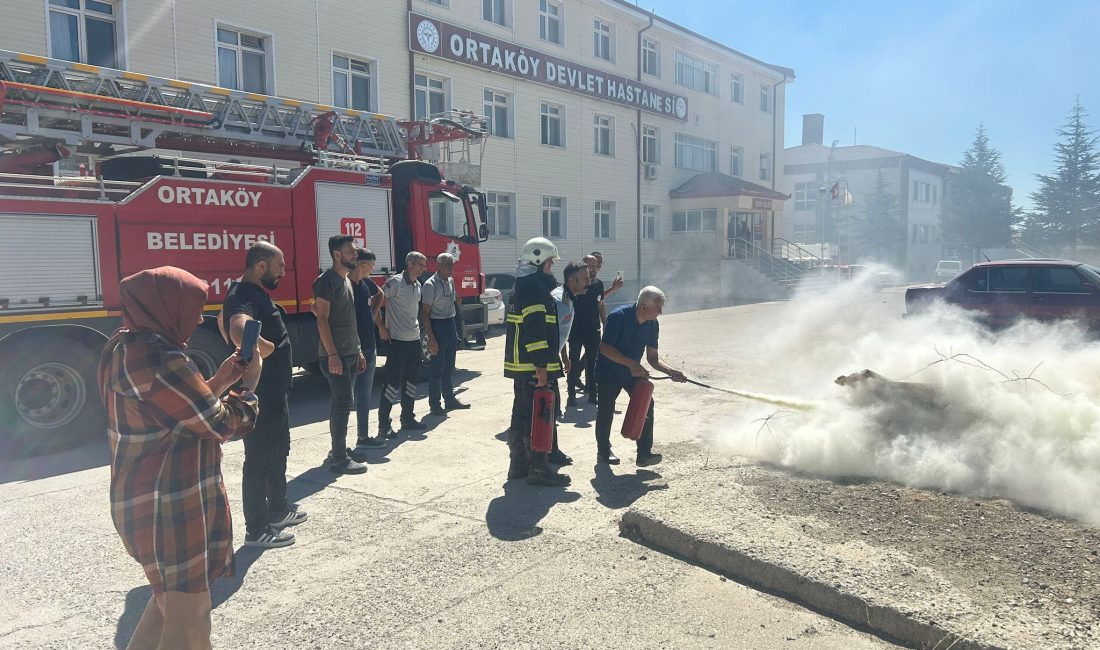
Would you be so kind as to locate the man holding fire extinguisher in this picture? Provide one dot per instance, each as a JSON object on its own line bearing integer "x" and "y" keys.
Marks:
{"x": 531, "y": 359}
{"x": 630, "y": 330}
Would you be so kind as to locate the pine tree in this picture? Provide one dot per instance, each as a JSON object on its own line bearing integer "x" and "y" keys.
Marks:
{"x": 1067, "y": 203}
{"x": 878, "y": 229}
{"x": 979, "y": 203}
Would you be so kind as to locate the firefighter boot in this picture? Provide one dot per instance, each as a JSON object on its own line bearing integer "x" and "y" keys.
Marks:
{"x": 542, "y": 474}
{"x": 518, "y": 466}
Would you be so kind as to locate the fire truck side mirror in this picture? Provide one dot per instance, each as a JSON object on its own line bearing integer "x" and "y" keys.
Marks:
{"x": 483, "y": 232}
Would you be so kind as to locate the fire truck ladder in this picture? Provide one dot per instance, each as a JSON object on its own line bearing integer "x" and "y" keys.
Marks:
{"x": 44, "y": 100}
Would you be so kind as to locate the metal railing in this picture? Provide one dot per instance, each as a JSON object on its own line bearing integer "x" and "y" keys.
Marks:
{"x": 775, "y": 268}
{"x": 82, "y": 186}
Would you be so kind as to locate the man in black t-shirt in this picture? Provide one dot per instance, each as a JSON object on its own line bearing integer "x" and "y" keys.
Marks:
{"x": 368, "y": 302}
{"x": 266, "y": 511}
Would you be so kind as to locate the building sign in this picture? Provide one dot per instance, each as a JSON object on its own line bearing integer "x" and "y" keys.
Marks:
{"x": 453, "y": 43}
{"x": 761, "y": 204}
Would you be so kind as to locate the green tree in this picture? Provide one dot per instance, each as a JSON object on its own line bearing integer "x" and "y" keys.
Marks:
{"x": 979, "y": 202}
{"x": 1067, "y": 203}
{"x": 878, "y": 227}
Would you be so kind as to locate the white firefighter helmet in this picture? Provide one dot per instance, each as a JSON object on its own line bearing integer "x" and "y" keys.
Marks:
{"x": 537, "y": 250}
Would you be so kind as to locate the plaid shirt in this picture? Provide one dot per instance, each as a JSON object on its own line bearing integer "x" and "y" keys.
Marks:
{"x": 165, "y": 427}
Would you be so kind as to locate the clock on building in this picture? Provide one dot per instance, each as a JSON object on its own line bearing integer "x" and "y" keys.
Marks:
{"x": 681, "y": 108}
{"x": 427, "y": 35}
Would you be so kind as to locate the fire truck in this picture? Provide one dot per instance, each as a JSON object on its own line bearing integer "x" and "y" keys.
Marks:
{"x": 88, "y": 196}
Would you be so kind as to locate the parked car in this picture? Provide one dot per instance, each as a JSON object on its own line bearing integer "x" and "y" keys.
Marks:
{"x": 946, "y": 270}
{"x": 494, "y": 303}
{"x": 505, "y": 282}
{"x": 1007, "y": 290}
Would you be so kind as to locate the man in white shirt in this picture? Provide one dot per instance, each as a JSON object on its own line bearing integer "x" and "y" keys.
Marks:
{"x": 438, "y": 307}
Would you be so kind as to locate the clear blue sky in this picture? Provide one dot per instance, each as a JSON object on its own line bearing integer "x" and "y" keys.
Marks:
{"x": 918, "y": 77}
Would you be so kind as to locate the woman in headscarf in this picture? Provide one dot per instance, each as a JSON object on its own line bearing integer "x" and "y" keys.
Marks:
{"x": 166, "y": 425}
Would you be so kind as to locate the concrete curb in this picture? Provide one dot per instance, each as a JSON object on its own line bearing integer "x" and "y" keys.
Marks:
{"x": 827, "y": 599}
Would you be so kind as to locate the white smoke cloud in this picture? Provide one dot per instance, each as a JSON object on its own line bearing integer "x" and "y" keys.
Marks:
{"x": 974, "y": 431}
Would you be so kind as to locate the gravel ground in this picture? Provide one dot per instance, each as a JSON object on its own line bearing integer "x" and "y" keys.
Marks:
{"x": 1017, "y": 564}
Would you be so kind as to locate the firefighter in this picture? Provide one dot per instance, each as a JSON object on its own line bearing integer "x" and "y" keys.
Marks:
{"x": 531, "y": 357}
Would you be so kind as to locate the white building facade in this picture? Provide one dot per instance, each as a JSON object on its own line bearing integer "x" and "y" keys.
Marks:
{"x": 597, "y": 109}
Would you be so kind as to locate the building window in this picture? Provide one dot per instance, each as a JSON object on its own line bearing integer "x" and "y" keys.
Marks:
{"x": 553, "y": 217}
{"x": 441, "y": 3}
{"x": 737, "y": 161}
{"x": 242, "y": 61}
{"x": 696, "y": 153}
{"x": 550, "y": 19}
{"x": 352, "y": 83}
{"x": 651, "y": 221}
{"x": 85, "y": 31}
{"x": 651, "y": 57}
{"x": 805, "y": 196}
{"x": 695, "y": 220}
{"x": 498, "y": 109}
{"x": 431, "y": 96}
{"x": 651, "y": 144}
{"x": 916, "y": 191}
{"x": 499, "y": 215}
{"x": 927, "y": 192}
{"x": 552, "y": 132}
{"x": 604, "y": 135}
{"x": 604, "y": 217}
{"x": 737, "y": 88}
{"x": 935, "y": 195}
{"x": 496, "y": 11}
{"x": 765, "y": 167}
{"x": 696, "y": 74}
{"x": 765, "y": 98}
{"x": 603, "y": 40}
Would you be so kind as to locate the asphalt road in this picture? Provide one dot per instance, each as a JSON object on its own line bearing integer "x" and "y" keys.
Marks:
{"x": 430, "y": 548}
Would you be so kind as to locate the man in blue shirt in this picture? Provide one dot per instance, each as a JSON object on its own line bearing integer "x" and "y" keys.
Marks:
{"x": 630, "y": 330}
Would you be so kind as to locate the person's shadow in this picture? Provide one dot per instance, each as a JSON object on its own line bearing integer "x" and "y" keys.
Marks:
{"x": 514, "y": 516}
{"x": 220, "y": 591}
{"x": 617, "y": 491}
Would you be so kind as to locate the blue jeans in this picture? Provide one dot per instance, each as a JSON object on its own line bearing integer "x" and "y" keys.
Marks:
{"x": 364, "y": 384}
{"x": 440, "y": 380}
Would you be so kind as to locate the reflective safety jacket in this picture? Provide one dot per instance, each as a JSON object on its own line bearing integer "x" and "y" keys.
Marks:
{"x": 532, "y": 329}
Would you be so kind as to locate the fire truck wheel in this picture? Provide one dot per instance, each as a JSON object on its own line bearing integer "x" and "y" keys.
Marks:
{"x": 48, "y": 399}
{"x": 207, "y": 350}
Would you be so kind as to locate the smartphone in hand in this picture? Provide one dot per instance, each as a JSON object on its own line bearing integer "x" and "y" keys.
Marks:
{"x": 248, "y": 340}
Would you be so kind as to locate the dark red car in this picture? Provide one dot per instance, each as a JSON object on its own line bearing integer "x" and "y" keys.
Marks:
{"x": 1007, "y": 290}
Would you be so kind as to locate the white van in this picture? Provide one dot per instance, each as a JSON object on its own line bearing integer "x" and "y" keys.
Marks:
{"x": 946, "y": 270}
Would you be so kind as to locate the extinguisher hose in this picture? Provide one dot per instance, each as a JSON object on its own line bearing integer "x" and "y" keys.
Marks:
{"x": 770, "y": 399}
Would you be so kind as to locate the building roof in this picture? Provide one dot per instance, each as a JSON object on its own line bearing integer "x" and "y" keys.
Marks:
{"x": 786, "y": 72}
{"x": 817, "y": 153}
{"x": 712, "y": 184}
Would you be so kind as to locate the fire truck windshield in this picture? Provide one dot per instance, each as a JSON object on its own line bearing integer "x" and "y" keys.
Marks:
{"x": 448, "y": 214}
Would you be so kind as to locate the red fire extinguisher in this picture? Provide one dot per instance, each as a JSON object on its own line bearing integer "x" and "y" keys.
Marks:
{"x": 542, "y": 420}
{"x": 640, "y": 397}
